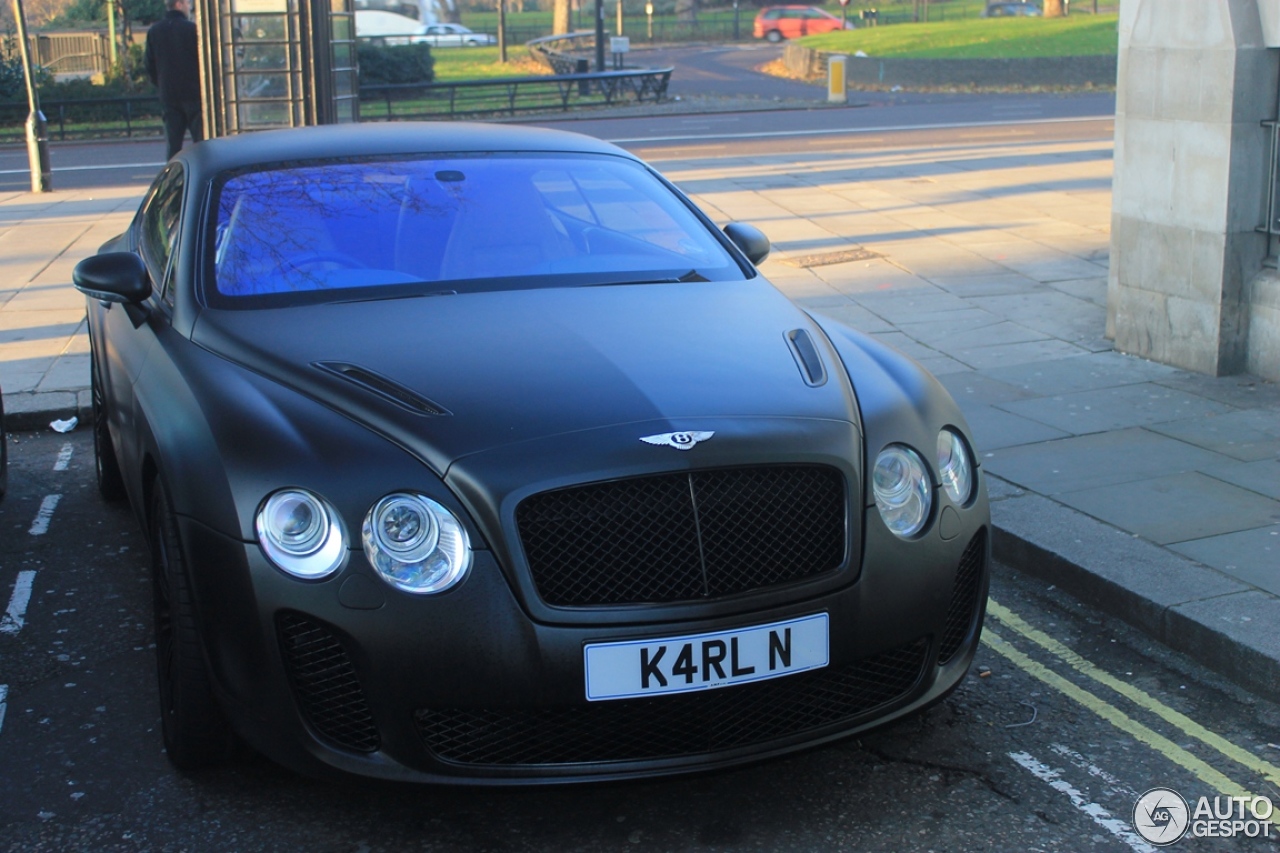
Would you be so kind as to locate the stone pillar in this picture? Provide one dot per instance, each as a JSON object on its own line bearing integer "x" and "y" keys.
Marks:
{"x": 1195, "y": 80}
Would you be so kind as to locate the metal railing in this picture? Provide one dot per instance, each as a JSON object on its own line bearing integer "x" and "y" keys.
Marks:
{"x": 139, "y": 115}
{"x": 87, "y": 118}
{"x": 511, "y": 95}
{"x": 1272, "y": 225}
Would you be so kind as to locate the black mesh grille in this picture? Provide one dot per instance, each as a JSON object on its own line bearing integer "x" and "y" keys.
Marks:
{"x": 964, "y": 598}
{"x": 672, "y": 726}
{"x": 325, "y": 683}
{"x": 676, "y": 537}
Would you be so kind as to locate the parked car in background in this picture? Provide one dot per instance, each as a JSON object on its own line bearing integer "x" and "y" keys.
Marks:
{"x": 477, "y": 453}
{"x": 776, "y": 23}
{"x": 1012, "y": 10}
{"x": 454, "y": 35}
{"x": 381, "y": 27}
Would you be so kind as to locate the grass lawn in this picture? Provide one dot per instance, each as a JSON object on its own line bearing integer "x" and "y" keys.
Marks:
{"x": 481, "y": 63}
{"x": 980, "y": 38}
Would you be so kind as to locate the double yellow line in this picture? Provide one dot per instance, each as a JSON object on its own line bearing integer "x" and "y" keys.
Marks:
{"x": 1212, "y": 777}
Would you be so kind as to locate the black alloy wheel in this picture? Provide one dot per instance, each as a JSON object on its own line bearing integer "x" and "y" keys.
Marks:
{"x": 106, "y": 467}
{"x": 4, "y": 454}
{"x": 195, "y": 732}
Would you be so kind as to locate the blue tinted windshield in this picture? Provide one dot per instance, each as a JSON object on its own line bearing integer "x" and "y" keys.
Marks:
{"x": 454, "y": 224}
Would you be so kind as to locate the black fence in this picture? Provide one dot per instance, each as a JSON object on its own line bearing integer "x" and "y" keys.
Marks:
{"x": 511, "y": 95}
{"x": 87, "y": 118}
{"x": 139, "y": 116}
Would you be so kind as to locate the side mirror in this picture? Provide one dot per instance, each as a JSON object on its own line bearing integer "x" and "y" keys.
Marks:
{"x": 750, "y": 240}
{"x": 113, "y": 277}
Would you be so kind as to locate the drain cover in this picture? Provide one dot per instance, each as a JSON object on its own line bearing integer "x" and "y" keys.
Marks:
{"x": 827, "y": 258}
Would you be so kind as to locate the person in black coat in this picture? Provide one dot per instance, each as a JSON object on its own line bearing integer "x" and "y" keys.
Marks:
{"x": 173, "y": 65}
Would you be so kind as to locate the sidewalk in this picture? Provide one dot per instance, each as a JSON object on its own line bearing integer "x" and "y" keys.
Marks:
{"x": 1150, "y": 492}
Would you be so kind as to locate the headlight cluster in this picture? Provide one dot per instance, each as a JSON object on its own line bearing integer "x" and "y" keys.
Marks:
{"x": 903, "y": 489}
{"x": 300, "y": 533}
{"x": 414, "y": 543}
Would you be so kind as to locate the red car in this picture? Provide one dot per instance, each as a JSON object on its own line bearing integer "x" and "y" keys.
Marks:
{"x": 776, "y": 23}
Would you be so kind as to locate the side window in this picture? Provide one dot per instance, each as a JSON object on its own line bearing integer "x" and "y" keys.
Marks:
{"x": 159, "y": 231}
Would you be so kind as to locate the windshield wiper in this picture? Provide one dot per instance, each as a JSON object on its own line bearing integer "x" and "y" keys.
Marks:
{"x": 690, "y": 276}
{"x": 389, "y": 297}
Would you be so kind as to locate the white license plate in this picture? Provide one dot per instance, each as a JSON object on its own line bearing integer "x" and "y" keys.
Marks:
{"x": 705, "y": 661}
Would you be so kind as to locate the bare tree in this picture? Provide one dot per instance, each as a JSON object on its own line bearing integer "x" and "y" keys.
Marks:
{"x": 687, "y": 11}
{"x": 41, "y": 12}
{"x": 1055, "y": 8}
{"x": 560, "y": 17}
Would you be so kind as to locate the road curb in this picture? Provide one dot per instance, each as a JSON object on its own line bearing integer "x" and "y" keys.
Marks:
{"x": 28, "y": 411}
{"x": 1226, "y": 625}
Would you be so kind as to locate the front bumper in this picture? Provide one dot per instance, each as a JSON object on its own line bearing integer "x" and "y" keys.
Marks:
{"x": 349, "y": 675}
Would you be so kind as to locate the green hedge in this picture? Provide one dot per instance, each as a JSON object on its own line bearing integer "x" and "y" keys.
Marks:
{"x": 410, "y": 63}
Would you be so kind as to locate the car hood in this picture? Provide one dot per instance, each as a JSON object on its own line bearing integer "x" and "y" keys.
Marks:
{"x": 502, "y": 368}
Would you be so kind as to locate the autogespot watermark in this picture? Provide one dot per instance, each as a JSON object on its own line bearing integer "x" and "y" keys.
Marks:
{"x": 1162, "y": 816}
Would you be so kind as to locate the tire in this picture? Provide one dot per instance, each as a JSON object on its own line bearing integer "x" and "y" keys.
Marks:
{"x": 773, "y": 36}
{"x": 106, "y": 467}
{"x": 4, "y": 454}
{"x": 196, "y": 734}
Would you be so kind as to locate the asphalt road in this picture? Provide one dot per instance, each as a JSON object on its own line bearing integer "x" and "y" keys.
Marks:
{"x": 1065, "y": 720}
{"x": 937, "y": 120}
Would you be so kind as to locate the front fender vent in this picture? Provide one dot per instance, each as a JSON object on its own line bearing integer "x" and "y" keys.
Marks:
{"x": 387, "y": 389}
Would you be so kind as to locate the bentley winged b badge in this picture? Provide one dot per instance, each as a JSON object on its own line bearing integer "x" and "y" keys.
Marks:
{"x": 678, "y": 440}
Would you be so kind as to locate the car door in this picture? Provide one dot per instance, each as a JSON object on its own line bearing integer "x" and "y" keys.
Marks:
{"x": 128, "y": 333}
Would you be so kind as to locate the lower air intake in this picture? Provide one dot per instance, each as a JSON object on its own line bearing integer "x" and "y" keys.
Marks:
{"x": 663, "y": 727}
{"x": 325, "y": 683}
{"x": 964, "y": 598}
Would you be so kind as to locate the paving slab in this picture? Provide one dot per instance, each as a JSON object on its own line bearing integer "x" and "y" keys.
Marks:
{"x": 1245, "y": 435}
{"x": 1080, "y": 463}
{"x": 1262, "y": 476}
{"x": 1252, "y": 556}
{"x": 995, "y": 429}
{"x": 1116, "y": 408}
{"x": 1176, "y": 508}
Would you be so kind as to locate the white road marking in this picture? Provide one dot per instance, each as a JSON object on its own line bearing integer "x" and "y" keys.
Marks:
{"x": 64, "y": 457}
{"x": 40, "y": 526}
{"x": 101, "y": 168}
{"x": 4, "y": 695}
{"x": 1116, "y": 786}
{"x": 1118, "y": 828}
{"x": 766, "y": 134}
{"x": 12, "y": 621}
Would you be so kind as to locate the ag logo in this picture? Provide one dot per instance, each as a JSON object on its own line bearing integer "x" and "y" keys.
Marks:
{"x": 1161, "y": 816}
{"x": 678, "y": 440}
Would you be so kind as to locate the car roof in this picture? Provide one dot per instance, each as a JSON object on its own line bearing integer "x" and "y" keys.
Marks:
{"x": 391, "y": 139}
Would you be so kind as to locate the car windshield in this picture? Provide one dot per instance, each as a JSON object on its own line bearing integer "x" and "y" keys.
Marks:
{"x": 379, "y": 229}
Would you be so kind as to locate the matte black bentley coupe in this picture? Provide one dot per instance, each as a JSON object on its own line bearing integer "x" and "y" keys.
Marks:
{"x": 479, "y": 454}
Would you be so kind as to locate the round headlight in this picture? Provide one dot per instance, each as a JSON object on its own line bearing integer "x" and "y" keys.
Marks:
{"x": 299, "y": 534}
{"x": 416, "y": 544}
{"x": 955, "y": 468}
{"x": 902, "y": 491}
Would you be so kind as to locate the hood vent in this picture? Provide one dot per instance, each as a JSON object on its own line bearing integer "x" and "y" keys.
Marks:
{"x": 807, "y": 358}
{"x": 382, "y": 386}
